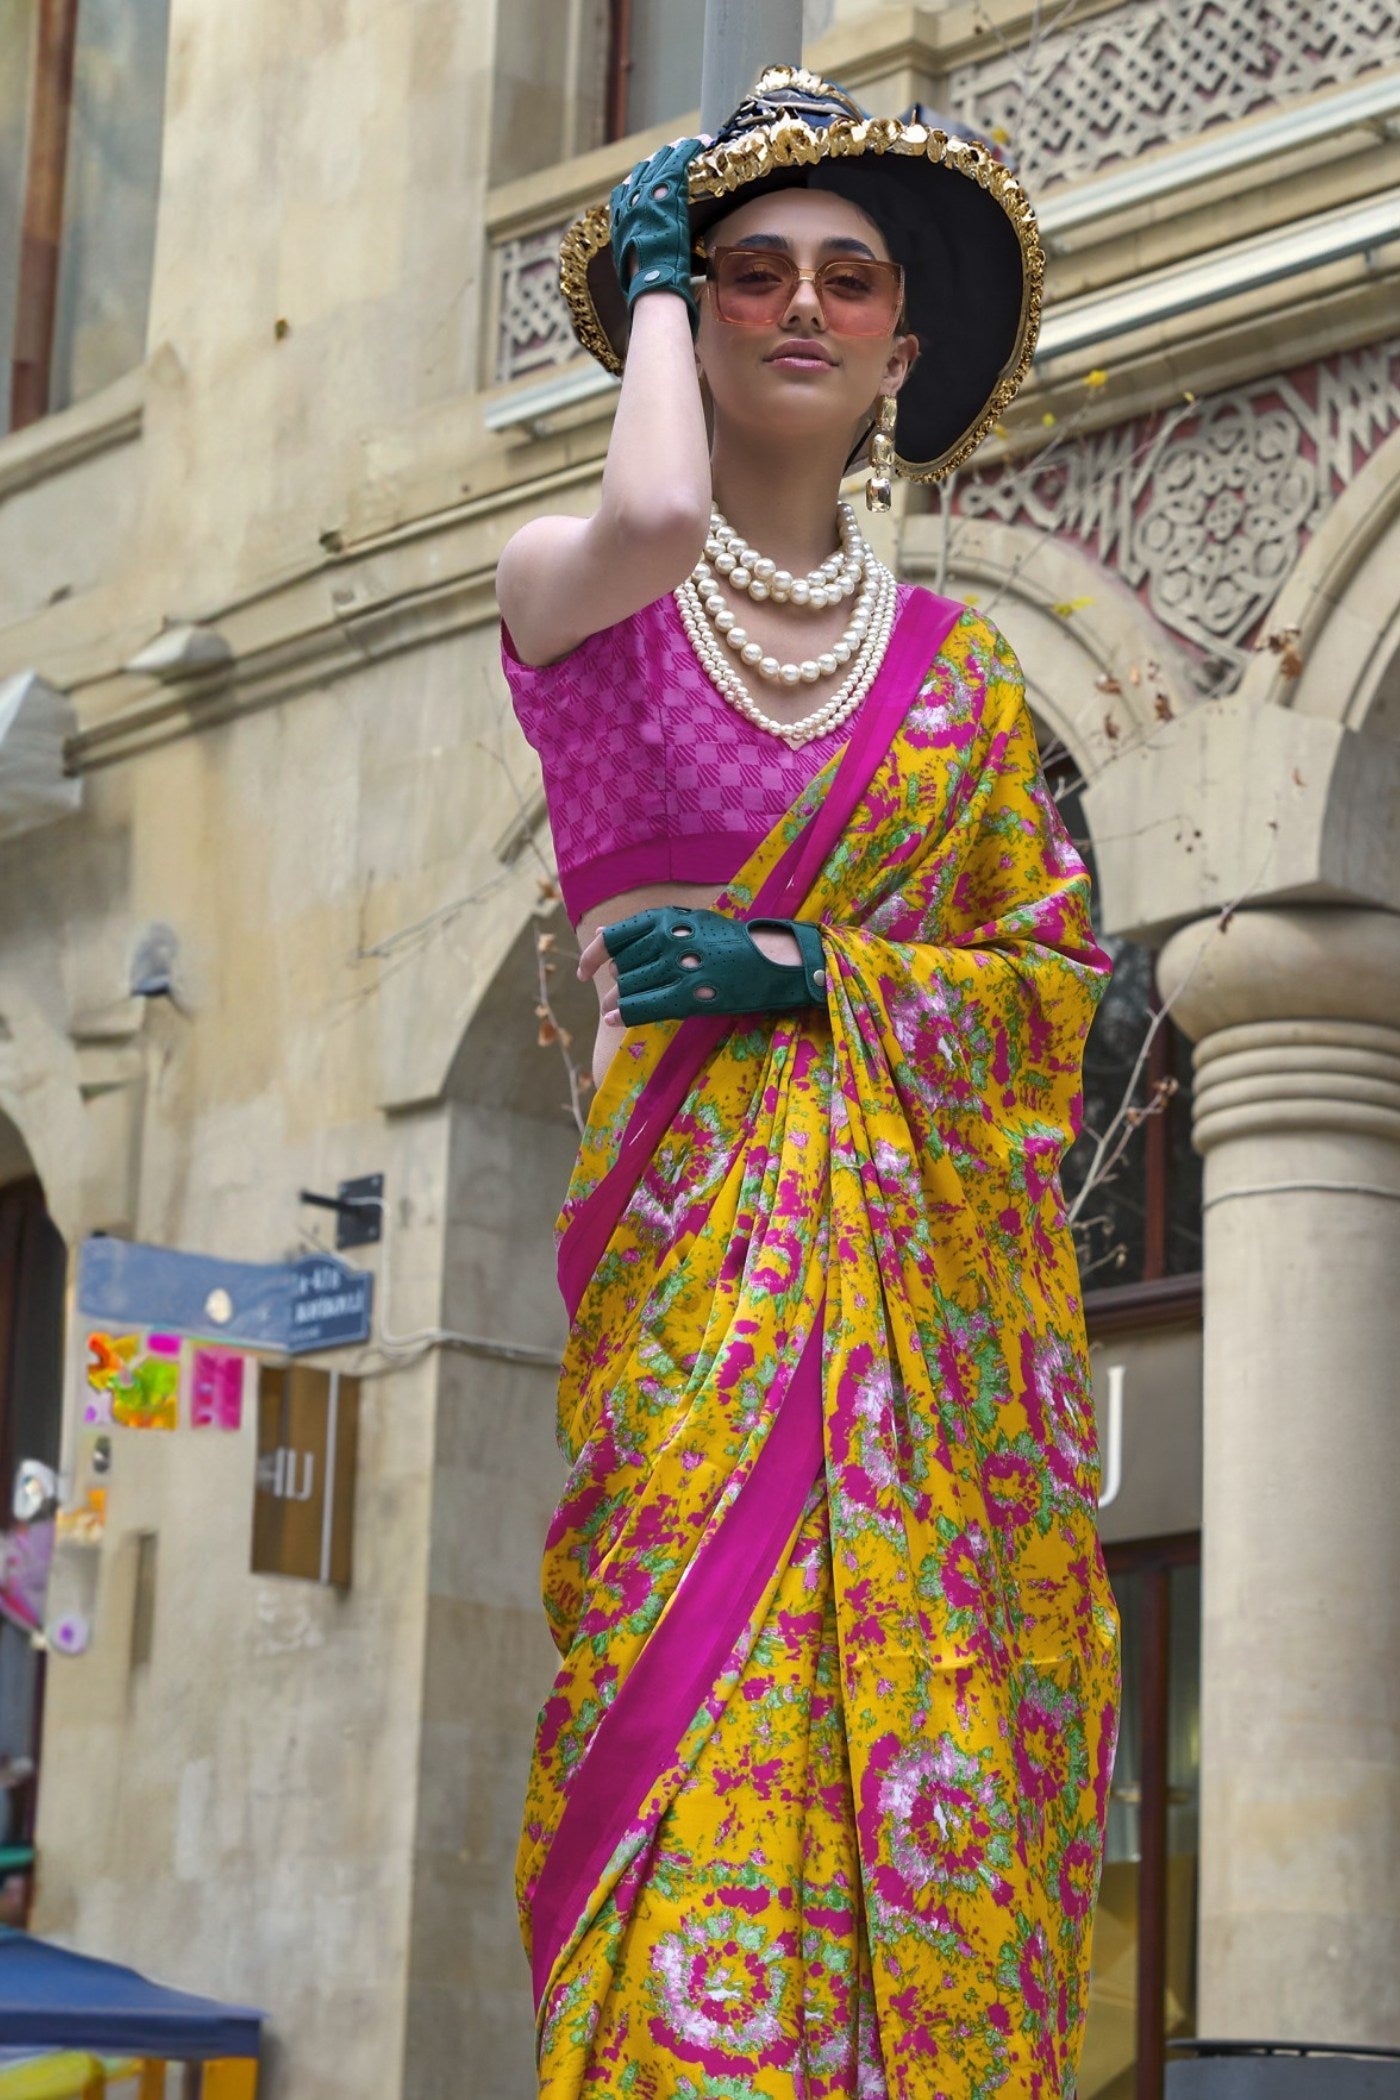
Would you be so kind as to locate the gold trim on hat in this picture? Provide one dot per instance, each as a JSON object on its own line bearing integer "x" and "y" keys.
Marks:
{"x": 788, "y": 142}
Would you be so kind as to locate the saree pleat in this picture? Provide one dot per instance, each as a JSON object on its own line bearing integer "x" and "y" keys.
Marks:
{"x": 817, "y": 1799}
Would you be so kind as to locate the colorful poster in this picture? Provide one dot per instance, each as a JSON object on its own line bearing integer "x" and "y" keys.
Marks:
{"x": 133, "y": 1380}
{"x": 216, "y": 1388}
{"x": 25, "y": 1556}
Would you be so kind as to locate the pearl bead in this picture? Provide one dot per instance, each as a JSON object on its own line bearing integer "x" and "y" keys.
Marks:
{"x": 758, "y": 591}
{"x": 725, "y": 563}
{"x": 769, "y": 667}
{"x": 736, "y": 637}
{"x": 800, "y": 591}
{"x": 752, "y": 652}
{"x": 781, "y": 580}
{"x": 724, "y": 619}
{"x": 764, "y": 569}
{"x": 877, "y": 602}
{"x": 740, "y": 578}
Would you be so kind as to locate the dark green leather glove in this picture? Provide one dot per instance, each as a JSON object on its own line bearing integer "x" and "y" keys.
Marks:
{"x": 650, "y": 221}
{"x": 672, "y": 962}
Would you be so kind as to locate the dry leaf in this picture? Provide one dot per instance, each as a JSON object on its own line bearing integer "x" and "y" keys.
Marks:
{"x": 1284, "y": 643}
{"x": 1298, "y": 780}
{"x": 546, "y": 888}
{"x": 1162, "y": 707}
{"x": 548, "y": 1033}
{"x": 1111, "y": 729}
{"x": 544, "y": 942}
{"x": 1108, "y": 683}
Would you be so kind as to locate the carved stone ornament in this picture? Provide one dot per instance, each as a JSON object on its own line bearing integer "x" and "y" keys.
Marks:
{"x": 534, "y": 329}
{"x": 1157, "y": 70}
{"x": 1204, "y": 510}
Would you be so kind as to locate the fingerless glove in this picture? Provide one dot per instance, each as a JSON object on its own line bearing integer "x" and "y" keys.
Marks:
{"x": 650, "y": 224}
{"x": 672, "y": 962}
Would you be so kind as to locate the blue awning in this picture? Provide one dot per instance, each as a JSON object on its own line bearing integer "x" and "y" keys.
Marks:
{"x": 51, "y": 1998}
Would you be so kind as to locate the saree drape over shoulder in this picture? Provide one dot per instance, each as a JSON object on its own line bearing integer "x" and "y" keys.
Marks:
{"x": 817, "y": 1800}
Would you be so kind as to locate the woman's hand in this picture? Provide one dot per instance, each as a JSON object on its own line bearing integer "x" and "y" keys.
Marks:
{"x": 673, "y": 961}
{"x": 650, "y": 226}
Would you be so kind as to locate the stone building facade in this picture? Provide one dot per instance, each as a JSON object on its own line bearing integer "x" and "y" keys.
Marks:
{"x": 273, "y": 872}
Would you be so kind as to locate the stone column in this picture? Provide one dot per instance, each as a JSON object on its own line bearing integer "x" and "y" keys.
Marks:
{"x": 1295, "y": 1014}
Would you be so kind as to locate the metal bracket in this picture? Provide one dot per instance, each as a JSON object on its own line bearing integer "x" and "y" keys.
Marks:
{"x": 358, "y": 1207}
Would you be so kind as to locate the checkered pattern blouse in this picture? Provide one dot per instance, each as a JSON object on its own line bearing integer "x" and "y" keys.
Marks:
{"x": 649, "y": 775}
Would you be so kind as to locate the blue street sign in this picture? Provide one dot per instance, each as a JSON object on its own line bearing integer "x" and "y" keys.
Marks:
{"x": 286, "y": 1308}
{"x": 330, "y": 1304}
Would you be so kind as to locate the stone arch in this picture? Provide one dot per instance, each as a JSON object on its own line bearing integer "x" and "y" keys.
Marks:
{"x": 1022, "y": 576}
{"x": 496, "y": 1477}
{"x": 1343, "y": 599}
{"x": 41, "y": 1105}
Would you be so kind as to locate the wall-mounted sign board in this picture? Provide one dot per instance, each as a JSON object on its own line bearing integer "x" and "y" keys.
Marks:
{"x": 1147, "y": 1397}
{"x": 304, "y": 1492}
{"x": 284, "y": 1308}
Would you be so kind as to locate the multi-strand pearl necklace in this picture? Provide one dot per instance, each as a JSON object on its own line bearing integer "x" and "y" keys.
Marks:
{"x": 710, "y": 623}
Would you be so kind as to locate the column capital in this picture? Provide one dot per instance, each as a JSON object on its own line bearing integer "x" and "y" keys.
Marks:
{"x": 1314, "y": 962}
{"x": 1296, "y": 1019}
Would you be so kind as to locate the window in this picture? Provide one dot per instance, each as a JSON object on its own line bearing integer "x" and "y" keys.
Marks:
{"x": 32, "y": 1269}
{"x": 82, "y": 96}
{"x": 1142, "y": 1220}
{"x": 654, "y": 53}
{"x": 1144, "y": 1974}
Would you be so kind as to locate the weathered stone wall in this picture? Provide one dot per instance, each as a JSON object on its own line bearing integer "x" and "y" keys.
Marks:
{"x": 310, "y": 1801}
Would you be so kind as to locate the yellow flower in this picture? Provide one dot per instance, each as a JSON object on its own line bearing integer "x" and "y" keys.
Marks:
{"x": 1097, "y": 378}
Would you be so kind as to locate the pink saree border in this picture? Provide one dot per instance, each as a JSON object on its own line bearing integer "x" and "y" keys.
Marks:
{"x": 922, "y": 628}
{"x": 677, "y": 1669}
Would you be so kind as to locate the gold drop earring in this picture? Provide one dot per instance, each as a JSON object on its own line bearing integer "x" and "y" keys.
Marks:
{"x": 877, "y": 487}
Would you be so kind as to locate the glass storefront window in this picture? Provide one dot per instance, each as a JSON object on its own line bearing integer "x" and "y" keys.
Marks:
{"x": 1144, "y": 1965}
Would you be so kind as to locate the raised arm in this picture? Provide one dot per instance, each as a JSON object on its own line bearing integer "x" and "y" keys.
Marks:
{"x": 560, "y": 578}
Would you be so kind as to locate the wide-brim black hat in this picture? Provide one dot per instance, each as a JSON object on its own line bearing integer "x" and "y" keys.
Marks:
{"x": 951, "y": 212}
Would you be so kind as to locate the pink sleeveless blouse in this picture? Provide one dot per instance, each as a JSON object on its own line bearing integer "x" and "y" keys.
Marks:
{"x": 649, "y": 775}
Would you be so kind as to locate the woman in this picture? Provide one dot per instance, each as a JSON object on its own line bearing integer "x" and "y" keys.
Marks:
{"x": 817, "y": 1799}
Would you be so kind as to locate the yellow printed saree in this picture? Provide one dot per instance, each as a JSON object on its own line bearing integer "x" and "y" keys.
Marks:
{"x": 817, "y": 1800}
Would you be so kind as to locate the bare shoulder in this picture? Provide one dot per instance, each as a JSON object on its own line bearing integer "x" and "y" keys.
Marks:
{"x": 532, "y": 588}
{"x": 562, "y": 579}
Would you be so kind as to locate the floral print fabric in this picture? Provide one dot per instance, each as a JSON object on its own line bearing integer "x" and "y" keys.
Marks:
{"x": 866, "y": 1863}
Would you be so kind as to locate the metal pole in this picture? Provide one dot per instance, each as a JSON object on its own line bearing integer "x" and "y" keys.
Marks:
{"x": 741, "y": 38}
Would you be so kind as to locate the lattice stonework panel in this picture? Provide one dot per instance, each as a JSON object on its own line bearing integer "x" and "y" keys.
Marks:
{"x": 533, "y": 330}
{"x": 1158, "y": 70}
{"x": 1204, "y": 510}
